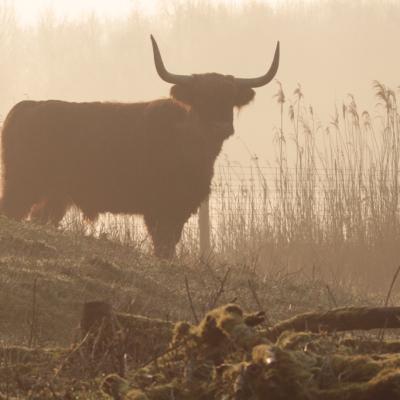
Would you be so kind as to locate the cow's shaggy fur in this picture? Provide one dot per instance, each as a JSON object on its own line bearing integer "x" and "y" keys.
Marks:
{"x": 152, "y": 158}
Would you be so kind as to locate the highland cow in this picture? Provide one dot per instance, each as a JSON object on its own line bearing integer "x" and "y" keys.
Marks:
{"x": 152, "y": 158}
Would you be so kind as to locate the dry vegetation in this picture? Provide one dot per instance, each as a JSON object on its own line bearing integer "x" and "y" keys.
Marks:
{"x": 317, "y": 228}
{"x": 331, "y": 202}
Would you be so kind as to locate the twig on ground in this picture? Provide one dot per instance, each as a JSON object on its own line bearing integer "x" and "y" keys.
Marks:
{"x": 206, "y": 262}
{"x": 396, "y": 274}
{"x": 381, "y": 333}
{"x": 69, "y": 355}
{"x": 32, "y": 333}
{"x": 190, "y": 300}
{"x": 257, "y": 300}
{"x": 164, "y": 353}
{"x": 221, "y": 289}
{"x": 331, "y": 296}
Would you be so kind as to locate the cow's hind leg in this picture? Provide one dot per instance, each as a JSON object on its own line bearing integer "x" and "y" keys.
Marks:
{"x": 17, "y": 200}
{"x": 49, "y": 211}
{"x": 165, "y": 233}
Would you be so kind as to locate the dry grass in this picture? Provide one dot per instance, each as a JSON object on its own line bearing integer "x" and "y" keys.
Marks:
{"x": 46, "y": 276}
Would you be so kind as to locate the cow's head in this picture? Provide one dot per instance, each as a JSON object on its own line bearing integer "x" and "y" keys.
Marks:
{"x": 213, "y": 96}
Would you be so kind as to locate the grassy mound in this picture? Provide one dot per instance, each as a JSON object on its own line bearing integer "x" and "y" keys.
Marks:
{"x": 47, "y": 275}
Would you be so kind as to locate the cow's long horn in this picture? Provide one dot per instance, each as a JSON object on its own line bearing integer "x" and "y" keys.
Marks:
{"x": 262, "y": 80}
{"x": 162, "y": 71}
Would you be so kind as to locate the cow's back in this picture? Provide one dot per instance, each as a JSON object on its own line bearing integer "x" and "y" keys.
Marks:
{"x": 102, "y": 156}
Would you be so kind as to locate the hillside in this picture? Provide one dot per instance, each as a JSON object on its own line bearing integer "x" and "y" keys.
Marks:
{"x": 47, "y": 275}
{"x": 70, "y": 269}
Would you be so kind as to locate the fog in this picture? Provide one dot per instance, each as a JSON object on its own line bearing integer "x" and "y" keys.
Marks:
{"x": 332, "y": 48}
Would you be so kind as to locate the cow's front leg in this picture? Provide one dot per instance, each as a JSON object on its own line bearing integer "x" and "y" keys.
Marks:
{"x": 165, "y": 232}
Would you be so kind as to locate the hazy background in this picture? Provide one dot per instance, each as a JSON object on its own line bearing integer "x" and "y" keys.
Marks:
{"x": 62, "y": 50}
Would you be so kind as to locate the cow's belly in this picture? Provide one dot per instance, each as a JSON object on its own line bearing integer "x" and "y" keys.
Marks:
{"x": 92, "y": 200}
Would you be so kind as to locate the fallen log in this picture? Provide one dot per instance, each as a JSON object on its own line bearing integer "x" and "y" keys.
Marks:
{"x": 144, "y": 338}
{"x": 339, "y": 319}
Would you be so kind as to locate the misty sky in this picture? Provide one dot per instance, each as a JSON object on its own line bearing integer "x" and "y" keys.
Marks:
{"x": 29, "y": 10}
{"x": 332, "y": 48}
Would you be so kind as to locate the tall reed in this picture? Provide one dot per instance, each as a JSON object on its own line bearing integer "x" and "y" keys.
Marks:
{"x": 333, "y": 187}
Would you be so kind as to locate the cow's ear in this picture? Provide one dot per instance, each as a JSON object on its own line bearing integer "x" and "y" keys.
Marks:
{"x": 244, "y": 96}
{"x": 182, "y": 93}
